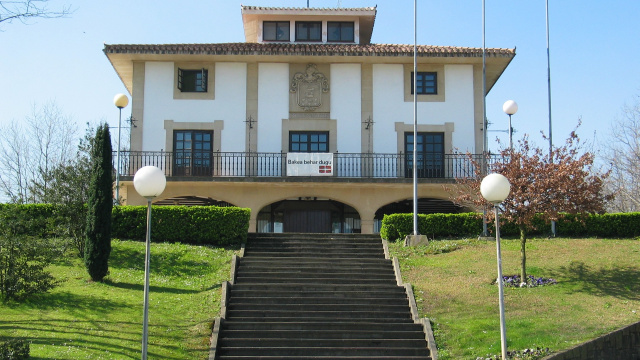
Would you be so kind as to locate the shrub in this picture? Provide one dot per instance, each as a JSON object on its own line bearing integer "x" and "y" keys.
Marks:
{"x": 15, "y": 349}
{"x": 621, "y": 225}
{"x": 195, "y": 224}
{"x": 23, "y": 261}
{"x": 397, "y": 226}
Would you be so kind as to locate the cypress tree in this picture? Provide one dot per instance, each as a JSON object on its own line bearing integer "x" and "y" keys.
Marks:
{"x": 99, "y": 205}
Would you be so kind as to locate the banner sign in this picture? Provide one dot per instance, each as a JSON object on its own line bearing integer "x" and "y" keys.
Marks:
{"x": 309, "y": 164}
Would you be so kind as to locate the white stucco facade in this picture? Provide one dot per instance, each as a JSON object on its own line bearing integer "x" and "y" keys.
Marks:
{"x": 229, "y": 105}
{"x": 221, "y": 118}
{"x": 273, "y": 104}
{"x": 346, "y": 105}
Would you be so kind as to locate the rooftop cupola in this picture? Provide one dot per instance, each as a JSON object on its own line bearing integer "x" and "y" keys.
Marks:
{"x": 308, "y": 25}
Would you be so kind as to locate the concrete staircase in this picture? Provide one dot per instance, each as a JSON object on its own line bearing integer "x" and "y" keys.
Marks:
{"x": 318, "y": 296}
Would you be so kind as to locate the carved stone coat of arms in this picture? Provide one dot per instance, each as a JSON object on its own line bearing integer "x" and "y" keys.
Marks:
{"x": 309, "y": 87}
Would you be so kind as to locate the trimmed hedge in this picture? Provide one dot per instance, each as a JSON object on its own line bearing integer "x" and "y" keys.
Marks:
{"x": 43, "y": 219}
{"x": 619, "y": 225}
{"x": 188, "y": 224}
{"x": 194, "y": 225}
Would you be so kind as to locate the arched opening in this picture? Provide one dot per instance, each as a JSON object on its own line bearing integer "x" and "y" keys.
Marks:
{"x": 308, "y": 215}
{"x": 192, "y": 201}
{"x": 425, "y": 206}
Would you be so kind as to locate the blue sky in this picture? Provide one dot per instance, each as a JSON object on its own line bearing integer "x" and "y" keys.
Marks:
{"x": 595, "y": 47}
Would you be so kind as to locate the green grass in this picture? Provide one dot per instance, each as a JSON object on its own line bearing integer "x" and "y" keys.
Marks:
{"x": 597, "y": 292}
{"x": 81, "y": 319}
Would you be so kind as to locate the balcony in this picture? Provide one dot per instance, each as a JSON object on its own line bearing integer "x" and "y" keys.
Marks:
{"x": 203, "y": 165}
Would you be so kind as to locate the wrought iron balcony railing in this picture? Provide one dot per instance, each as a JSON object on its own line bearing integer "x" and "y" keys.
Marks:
{"x": 252, "y": 164}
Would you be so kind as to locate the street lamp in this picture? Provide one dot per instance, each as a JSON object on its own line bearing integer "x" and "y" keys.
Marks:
{"x": 495, "y": 188}
{"x": 120, "y": 101}
{"x": 149, "y": 182}
{"x": 510, "y": 107}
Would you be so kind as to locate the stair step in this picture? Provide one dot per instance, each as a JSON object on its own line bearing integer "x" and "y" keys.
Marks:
{"x": 318, "y": 307}
{"x": 323, "y": 343}
{"x": 323, "y": 334}
{"x": 316, "y": 272}
{"x": 323, "y": 351}
{"x": 311, "y": 296}
{"x": 303, "y": 314}
{"x": 346, "y": 261}
{"x": 311, "y": 280}
{"x": 299, "y": 300}
{"x": 314, "y": 357}
{"x": 336, "y": 325}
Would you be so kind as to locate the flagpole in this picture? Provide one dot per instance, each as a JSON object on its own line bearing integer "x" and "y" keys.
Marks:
{"x": 553, "y": 223}
{"x": 485, "y": 231}
{"x": 415, "y": 117}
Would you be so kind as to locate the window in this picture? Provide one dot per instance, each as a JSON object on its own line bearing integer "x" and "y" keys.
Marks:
{"x": 426, "y": 82}
{"x": 308, "y": 31}
{"x": 309, "y": 141}
{"x": 340, "y": 31}
{"x": 192, "y": 80}
{"x": 192, "y": 153}
{"x": 429, "y": 154}
{"x": 275, "y": 31}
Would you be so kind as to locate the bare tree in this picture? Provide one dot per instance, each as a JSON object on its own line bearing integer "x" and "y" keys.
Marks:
{"x": 622, "y": 152}
{"x": 542, "y": 184}
{"x": 14, "y": 157}
{"x": 30, "y": 151}
{"x": 28, "y": 9}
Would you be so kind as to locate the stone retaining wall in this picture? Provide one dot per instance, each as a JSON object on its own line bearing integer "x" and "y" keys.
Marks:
{"x": 623, "y": 344}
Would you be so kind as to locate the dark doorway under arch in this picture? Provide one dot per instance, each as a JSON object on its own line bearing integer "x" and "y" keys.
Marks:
{"x": 425, "y": 206}
{"x": 308, "y": 215}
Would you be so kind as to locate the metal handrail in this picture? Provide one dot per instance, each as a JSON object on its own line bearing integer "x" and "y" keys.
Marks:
{"x": 255, "y": 164}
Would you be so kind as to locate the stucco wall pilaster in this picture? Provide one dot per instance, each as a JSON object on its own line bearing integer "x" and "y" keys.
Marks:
{"x": 478, "y": 113}
{"x": 367, "y": 108}
{"x": 251, "y": 140}
{"x": 137, "y": 106}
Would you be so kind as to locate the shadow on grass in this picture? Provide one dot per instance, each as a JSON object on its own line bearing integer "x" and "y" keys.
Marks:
{"x": 94, "y": 337}
{"x": 164, "y": 263}
{"x": 157, "y": 289}
{"x": 76, "y": 303}
{"x": 618, "y": 282}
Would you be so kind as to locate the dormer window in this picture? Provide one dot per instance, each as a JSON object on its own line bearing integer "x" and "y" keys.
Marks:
{"x": 275, "y": 31}
{"x": 340, "y": 31}
{"x": 308, "y": 31}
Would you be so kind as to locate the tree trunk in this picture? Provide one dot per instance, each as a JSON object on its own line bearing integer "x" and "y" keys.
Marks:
{"x": 523, "y": 255}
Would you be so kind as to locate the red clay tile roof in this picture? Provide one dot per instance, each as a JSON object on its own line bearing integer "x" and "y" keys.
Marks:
{"x": 297, "y": 49}
{"x": 271, "y": 8}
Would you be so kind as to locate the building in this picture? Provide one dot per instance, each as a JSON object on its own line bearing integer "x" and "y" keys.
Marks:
{"x": 307, "y": 123}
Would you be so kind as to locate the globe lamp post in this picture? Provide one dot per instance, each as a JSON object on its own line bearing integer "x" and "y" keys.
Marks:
{"x": 149, "y": 182}
{"x": 510, "y": 107}
{"x": 120, "y": 101}
{"x": 495, "y": 189}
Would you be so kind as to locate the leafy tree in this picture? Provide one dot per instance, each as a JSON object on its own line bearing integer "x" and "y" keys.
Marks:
{"x": 100, "y": 203}
{"x": 622, "y": 152}
{"x": 69, "y": 189}
{"x": 549, "y": 184}
{"x": 23, "y": 259}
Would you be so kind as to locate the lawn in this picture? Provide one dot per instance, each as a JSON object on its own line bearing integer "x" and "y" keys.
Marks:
{"x": 81, "y": 319}
{"x": 598, "y": 291}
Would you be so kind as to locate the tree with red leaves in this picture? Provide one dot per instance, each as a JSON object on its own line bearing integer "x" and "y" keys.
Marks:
{"x": 546, "y": 184}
